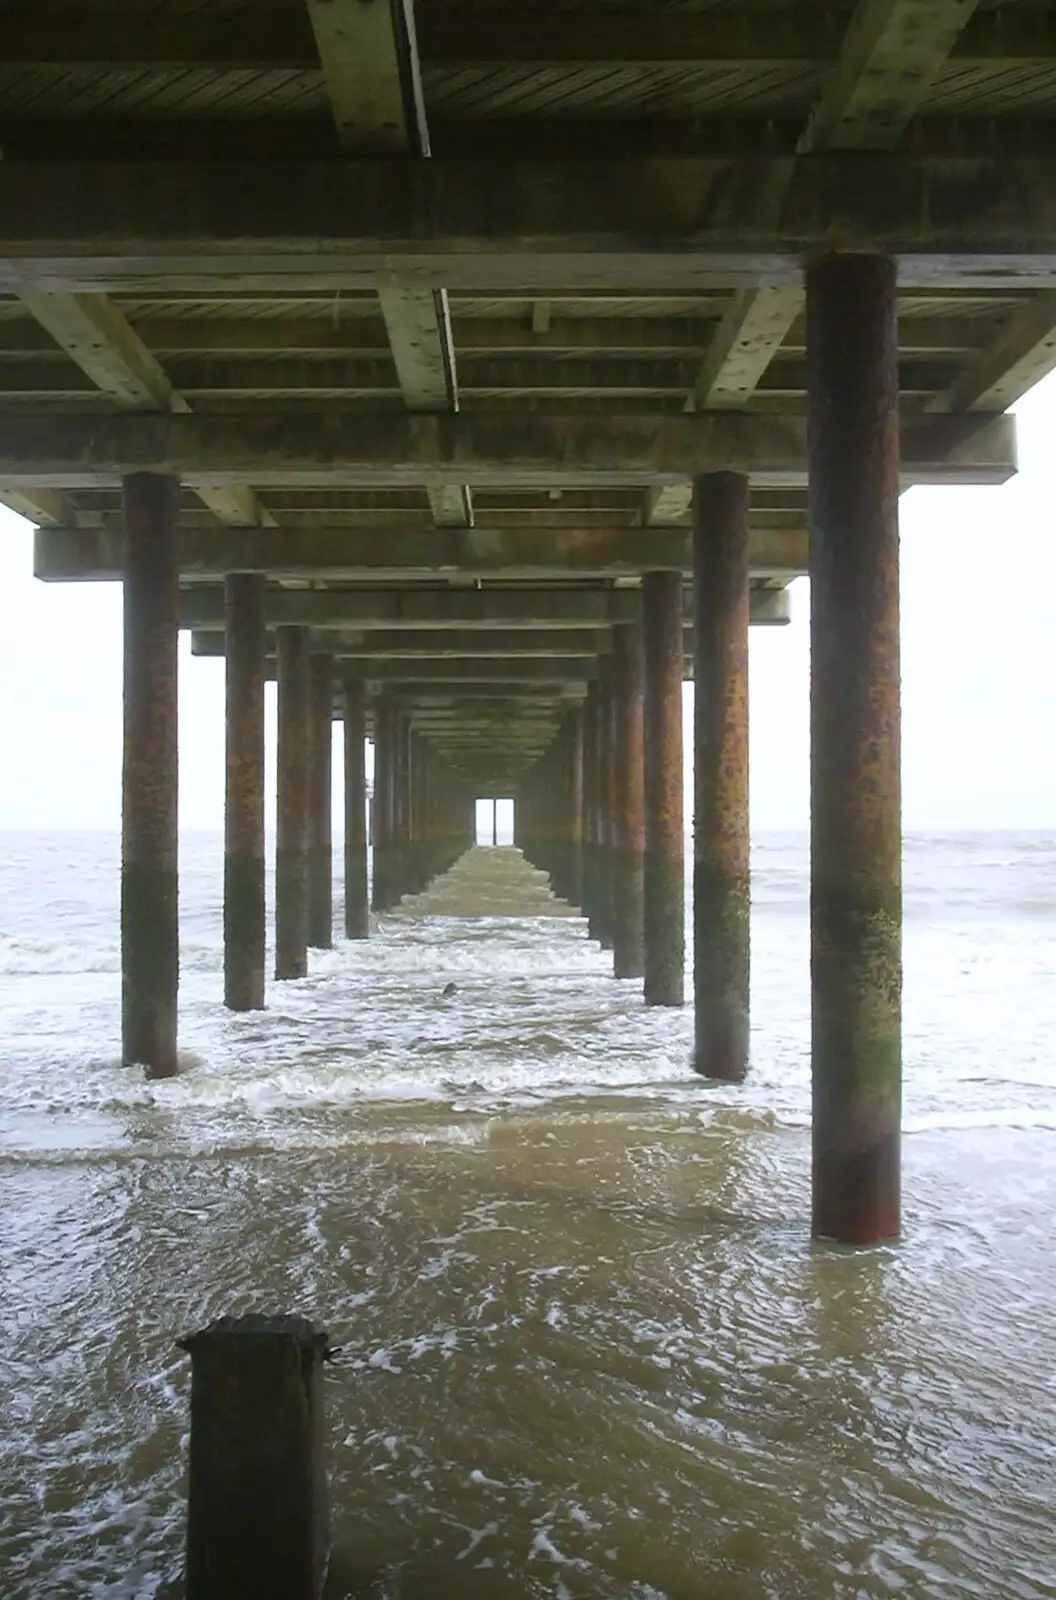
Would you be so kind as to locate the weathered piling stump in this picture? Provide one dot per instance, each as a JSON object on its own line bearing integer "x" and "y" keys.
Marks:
{"x": 258, "y": 1524}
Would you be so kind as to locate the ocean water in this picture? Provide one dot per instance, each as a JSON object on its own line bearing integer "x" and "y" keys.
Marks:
{"x": 589, "y": 1349}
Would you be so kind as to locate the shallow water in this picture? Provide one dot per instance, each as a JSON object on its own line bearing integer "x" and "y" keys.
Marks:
{"x": 588, "y": 1347}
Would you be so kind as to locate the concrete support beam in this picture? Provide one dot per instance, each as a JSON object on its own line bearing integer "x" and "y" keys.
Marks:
{"x": 100, "y": 340}
{"x": 531, "y": 450}
{"x": 244, "y": 915}
{"x": 386, "y": 735}
{"x": 292, "y": 807}
{"x": 889, "y": 56}
{"x": 357, "y": 918}
{"x": 663, "y": 893}
{"x": 370, "y": 63}
{"x": 607, "y": 800}
{"x": 856, "y": 842}
{"x": 76, "y": 555}
{"x": 533, "y": 225}
{"x": 150, "y": 934}
{"x": 721, "y": 881}
{"x": 320, "y": 843}
{"x": 629, "y": 796}
{"x": 1021, "y": 353}
{"x": 283, "y": 38}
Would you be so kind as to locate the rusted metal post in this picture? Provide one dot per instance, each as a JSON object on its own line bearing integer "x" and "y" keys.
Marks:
{"x": 384, "y": 790}
{"x": 291, "y": 814}
{"x": 244, "y": 916}
{"x": 721, "y": 884}
{"x": 606, "y": 901}
{"x": 574, "y": 887}
{"x": 150, "y": 934}
{"x": 258, "y": 1518}
{"x": 664, "y": 907}
{"x": 320, "y": 831}
{"x": 628, "y": 959}
{"x": 856, "y": 843}
{"x": 590, "y": 808}
{"x": 357, "y": 916}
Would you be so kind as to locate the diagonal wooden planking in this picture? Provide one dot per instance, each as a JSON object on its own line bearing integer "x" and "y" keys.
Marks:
{"x": 370, "y": 62}
{"x": 890, "y": 55}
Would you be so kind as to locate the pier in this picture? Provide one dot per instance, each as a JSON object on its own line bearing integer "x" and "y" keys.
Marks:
{"x": 480, "y": 400}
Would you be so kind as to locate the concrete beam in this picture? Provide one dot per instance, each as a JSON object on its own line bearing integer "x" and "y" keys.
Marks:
{"x": 1021, "y": 353}
{"x": 889, "y": 56}
{"x": 100, "y": 340}
{"x": 533, "y": 225}
{"x": 440, "y": 643}
{"x": 263, "y": 39}
{"x": 333, "y": 450}
{"x": 484, "y": 620}
{"x": 45, "y": 507}
{"x": 370, "y": 63}
{"x": 94, "y": 554}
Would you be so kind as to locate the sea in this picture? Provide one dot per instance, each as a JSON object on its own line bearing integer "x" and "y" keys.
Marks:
{"x": 587, "y": 1346}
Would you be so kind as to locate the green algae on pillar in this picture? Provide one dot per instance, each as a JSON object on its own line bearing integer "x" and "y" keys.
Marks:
{"x": 244, "y": 915}
{"x": 291, "y": 816}
{"x": 721, "y": 878}
{"x": 628, "y": 957}
{"x": 856, "y": 843}
{"x": 320, "y": 826}
{"x": 150, "y": 934}
{"x": 664, "y": 905}
{"x": 357, "y": 916}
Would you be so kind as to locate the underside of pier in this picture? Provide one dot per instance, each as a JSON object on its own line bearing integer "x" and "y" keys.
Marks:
{"x": 496, "y": 366}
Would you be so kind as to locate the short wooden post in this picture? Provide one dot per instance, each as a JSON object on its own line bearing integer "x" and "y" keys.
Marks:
{"x": 258, "y": 1516}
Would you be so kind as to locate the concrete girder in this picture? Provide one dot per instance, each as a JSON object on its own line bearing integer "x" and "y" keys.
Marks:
{"x": 262, "y": 39}
{"x": 191, "y": 342}
{"x": 532, "y": 225}
{"x": 370, "y": 63}
{"x": 94, "y": 554}
{"x": 888, "y": 58}
{"x": 1022, "y": 352}
{"x": 573, "y": 450}
{"x": 500, "y": 610}
{"x": 101, "y": 341}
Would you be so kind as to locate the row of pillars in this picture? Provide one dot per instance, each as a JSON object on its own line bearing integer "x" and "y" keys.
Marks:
{"x": 421, "y": 815}
{"x": 602, "y": 810}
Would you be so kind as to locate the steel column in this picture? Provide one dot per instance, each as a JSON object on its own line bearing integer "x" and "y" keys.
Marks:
{"x": 245, "y": 930}
{"x": 320, "y": 832}
{"x": 856, "y": 845}
{"x": 628, "y": 959}
{"x": 357, "y": 916}
{"x": 664, "y": 908}
{"x": 150, "y": 932}
{"x": 721, "y": 883}
{"x": 292, "y": 775}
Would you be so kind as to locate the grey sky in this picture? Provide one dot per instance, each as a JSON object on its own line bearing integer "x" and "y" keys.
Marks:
{"x": 978, "y": 664}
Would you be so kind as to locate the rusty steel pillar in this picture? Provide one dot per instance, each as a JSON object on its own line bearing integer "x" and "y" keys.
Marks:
{"x": 575, "y": 759}
{"x": 628, "y": 959}
{"x": 292, "y": 808}
{"x": 664, "y": 902}
{"x": 855, "y": 714}
{"x": 245, "y": 930}
{"x": 357, "y": 915}
{"x": 606, "y": 895}
{"x": 721, "y": 886}
{"x": 590, "y": 808}
{"x": 384, "y": 790}
{"x": 150, "y": 931}
{"x": 320, "y": 822}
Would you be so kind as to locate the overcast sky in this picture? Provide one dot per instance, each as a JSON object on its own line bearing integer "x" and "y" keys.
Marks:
{"x": 978, "y": 667}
